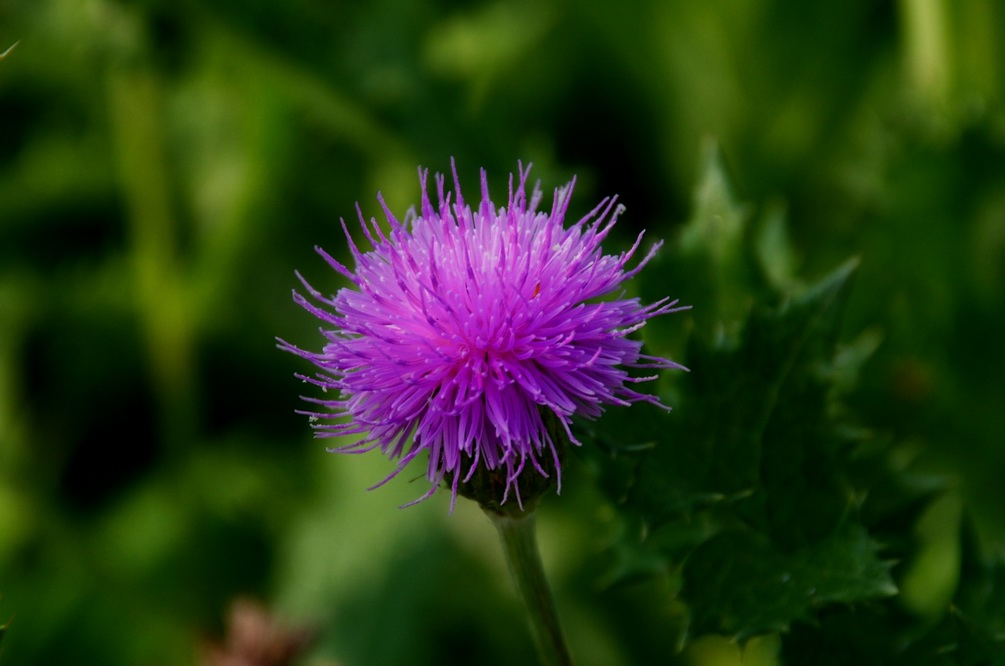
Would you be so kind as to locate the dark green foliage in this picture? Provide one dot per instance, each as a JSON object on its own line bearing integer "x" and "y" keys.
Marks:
{"x": 776, "y": 509}
{"x": 739, "y": 583}
{"x": 166, "y": 165}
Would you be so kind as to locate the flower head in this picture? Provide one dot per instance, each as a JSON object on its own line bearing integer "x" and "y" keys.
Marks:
{"x": 466, "y": 331}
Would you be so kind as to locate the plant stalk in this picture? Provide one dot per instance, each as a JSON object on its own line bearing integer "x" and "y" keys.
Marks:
{"x": 518, "y": 531}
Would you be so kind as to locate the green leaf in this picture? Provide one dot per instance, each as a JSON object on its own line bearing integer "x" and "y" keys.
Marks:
{"x": 711, "y": 268}
{"x": 845, "y": 568}
{"x": 761, "y": 496}
{"x": 753, "y": 416}
{"x": 978, "y": 608}
{"x": 971, "y": 631}
{"x": 774, "y": 250}
{"x": 740, "y": 583}
{"x": 750, "y": 481}
{"x": 717, "y": 224}
{"x": 732, "y": 584}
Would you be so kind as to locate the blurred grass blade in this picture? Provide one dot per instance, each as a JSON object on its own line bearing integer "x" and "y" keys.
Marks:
{"x": 5, "y": 54}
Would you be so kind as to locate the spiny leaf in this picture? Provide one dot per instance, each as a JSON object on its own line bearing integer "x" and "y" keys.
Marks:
{"x": 774, "y": 251}
{"x": 740, "y": 583}
{"x": 711, "y": 449}
{"x": 717, "y": 224}
{"x": 846, "y": 568}
{"x": 711, "y": 268}
{"x": 971, "y": 631}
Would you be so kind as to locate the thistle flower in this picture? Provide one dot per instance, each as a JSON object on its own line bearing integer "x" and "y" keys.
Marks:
{"x": 465, "y": 331}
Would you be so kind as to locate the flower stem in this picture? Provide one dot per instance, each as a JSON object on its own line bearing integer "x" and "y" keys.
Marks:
{"x": 518, "y": 532}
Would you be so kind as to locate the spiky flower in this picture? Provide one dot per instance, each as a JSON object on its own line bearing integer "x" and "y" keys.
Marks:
{"x": 466, "y": 331}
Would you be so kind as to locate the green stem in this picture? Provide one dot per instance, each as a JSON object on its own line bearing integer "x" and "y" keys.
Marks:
{"x": 519, "y": 538}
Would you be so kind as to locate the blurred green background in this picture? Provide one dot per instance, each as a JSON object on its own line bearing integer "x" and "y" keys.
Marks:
{"x": 165, "y": 166}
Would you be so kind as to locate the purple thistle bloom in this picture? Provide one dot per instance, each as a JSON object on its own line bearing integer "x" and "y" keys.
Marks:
{"x": 464, "y": 326}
